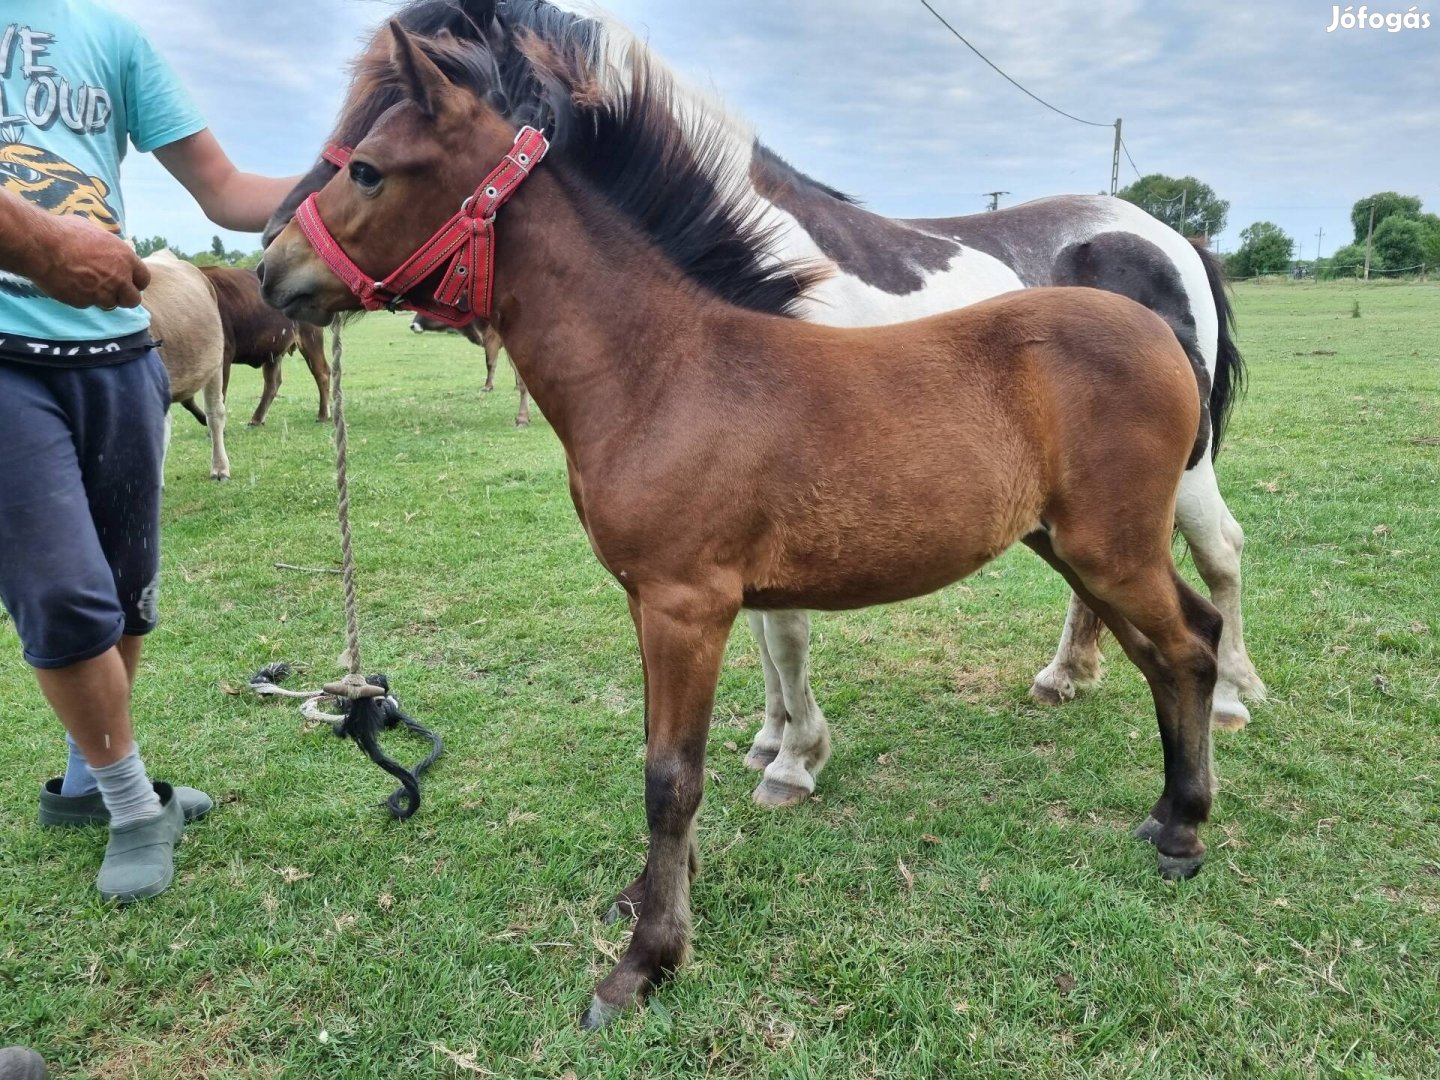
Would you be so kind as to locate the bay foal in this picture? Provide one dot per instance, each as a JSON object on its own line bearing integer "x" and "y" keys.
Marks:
{"x": 625, "y": 273}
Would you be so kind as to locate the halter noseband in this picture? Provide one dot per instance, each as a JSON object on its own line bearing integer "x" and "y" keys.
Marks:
{"x": 467, "y": 241}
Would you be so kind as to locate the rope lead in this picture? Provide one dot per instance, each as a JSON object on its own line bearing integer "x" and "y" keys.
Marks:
{"x": 367, "y": 704}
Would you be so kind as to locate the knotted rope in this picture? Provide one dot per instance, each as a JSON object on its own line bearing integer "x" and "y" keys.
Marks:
{"x": 366, "y": 704}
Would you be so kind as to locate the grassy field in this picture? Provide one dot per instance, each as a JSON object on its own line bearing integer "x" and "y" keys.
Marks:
{"x": 961, "y": 897}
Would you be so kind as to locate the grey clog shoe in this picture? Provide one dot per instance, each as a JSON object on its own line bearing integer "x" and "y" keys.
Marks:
{"x": 140, "y": 858}
{"x": 71, "y": 810}
{"x": 18, "y": 1063}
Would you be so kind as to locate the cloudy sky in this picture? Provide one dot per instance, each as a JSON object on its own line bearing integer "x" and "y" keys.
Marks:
{"x": 1290, "y": 123}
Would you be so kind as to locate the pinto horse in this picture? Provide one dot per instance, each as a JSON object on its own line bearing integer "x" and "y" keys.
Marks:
{"x": 883, "y": 270}
{"x": 1062, "y": 418}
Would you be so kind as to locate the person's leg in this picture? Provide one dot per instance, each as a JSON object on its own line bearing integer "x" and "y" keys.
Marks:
{"x": 64, "y": 589}
{"x": 78, "y": 781}
{"x": 130, "y": 646}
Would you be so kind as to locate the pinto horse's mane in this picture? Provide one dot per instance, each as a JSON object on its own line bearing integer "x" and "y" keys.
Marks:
{"x": 619, "y": 123}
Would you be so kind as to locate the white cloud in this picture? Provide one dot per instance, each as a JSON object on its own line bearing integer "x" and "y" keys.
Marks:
{"x": 1287, "y": 122}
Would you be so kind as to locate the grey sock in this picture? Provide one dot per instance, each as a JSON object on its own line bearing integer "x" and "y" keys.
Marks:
{"x": 126, "y": 790}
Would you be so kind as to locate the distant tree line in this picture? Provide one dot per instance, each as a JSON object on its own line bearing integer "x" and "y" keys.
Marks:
{"x": 215, "y": 256}
{"x": 1405, "y": 238}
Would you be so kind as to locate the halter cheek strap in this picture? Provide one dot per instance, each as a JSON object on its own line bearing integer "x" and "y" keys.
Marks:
{"x": 464, "y": 245}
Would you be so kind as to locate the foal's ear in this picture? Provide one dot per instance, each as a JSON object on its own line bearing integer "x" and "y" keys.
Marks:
{"x": 428, "y": 85}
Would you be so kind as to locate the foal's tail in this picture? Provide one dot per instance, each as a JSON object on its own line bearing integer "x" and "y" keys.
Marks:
{"x": 1229, "y": 381}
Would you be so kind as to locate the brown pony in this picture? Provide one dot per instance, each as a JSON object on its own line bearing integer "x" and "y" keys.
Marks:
{"x": 633, "y": 291}
{"x": 484, "y": 336}
{"x": 260, "y": 337}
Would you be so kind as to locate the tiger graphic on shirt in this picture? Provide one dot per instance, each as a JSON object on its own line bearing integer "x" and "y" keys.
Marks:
{"x": 52, "y": 183}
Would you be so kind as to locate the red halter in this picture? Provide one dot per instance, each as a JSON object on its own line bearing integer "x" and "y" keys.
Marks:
{"x": 467, "y": 241}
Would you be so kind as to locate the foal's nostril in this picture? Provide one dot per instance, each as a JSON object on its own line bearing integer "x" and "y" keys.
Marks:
{"x": 260, "y": 271}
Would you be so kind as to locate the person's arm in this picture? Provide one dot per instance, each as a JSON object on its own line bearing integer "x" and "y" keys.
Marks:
{"x": 230, "y": 198}
{"x": 69, "y": 257}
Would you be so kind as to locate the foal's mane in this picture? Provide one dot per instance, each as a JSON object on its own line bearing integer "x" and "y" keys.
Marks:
{"x": 622, "y": 130}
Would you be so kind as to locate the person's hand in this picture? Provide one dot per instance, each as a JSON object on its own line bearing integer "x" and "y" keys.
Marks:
{"x": 83, "y": 265}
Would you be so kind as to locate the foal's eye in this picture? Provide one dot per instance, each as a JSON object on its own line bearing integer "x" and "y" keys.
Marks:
{"x": 364, "y": 174}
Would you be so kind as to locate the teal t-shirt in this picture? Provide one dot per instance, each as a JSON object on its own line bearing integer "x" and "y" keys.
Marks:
{"x": 77, "y": 80}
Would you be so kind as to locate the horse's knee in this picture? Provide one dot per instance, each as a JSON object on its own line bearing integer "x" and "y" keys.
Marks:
{"x": 673, "y": 789}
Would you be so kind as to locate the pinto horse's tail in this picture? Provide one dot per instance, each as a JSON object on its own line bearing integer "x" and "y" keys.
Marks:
{"x": 1229, "y": 381}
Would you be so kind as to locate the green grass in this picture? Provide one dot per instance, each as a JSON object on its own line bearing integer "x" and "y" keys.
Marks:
{"x": 309, "y": 936}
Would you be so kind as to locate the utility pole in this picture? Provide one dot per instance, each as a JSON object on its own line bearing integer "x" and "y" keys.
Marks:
{"x": 994, "y": 197}
{"x": 1115, "y": 161}
{"x": 1184, "y": 197}
{"x": 1319, "y": 238}
{"x": 1369, "y": 236}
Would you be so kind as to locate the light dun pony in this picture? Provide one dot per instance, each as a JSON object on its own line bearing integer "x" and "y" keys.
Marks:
{"x": 185, "y": 320}
{"x": 632, "y": 287}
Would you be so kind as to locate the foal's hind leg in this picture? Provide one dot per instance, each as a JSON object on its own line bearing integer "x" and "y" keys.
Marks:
{"x": 805, "y": 742}
{"x": 1077, "y": 659}
{"x": 1171, "y": 633}
{"x": 1216, "y": 540}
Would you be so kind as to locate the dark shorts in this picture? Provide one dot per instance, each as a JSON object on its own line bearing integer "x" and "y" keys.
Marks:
{"x": 81, "y": 460}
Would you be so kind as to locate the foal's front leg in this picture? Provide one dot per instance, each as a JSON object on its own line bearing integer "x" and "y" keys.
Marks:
{"x": 684, "y": 642}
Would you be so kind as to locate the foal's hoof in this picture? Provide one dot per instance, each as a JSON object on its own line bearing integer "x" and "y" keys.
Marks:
{"x": 759, "y": 758}
{"x": 220, "y": 478}
{"x": 774, "y": 794}
{"x": 600, "y": 1014}
{"x": 254, "y": 423}
{"x": 1173, "y": 868}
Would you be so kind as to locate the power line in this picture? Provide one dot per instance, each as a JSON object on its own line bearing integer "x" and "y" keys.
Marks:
{"x": 1127, "y": 155}
{"x": 1011, "y": 81}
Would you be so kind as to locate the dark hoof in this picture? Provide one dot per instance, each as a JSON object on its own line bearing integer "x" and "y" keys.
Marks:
{"x": 621, "y": 911}
{"x": 1046, "y": 695}
{"x": 487, "y": 389}
{"x": 760, "y": 759}
{"x": 774, "y": 794}
{"x": 254, "y": 423}
{"x": 1179, "y": 869}
{"x": 600, "y": 1014}
{"x": 522, "y": 423}
{"x": 1148, "y": 830}
{"x": 220, "y": 479}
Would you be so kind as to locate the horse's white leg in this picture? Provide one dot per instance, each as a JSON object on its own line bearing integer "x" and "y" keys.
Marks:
{"x": 1077, "y": 658}
{"x": 215, "y": 421}
{"x": 522, "y": 414}
{"x": 805, "y": 745}
{"x": 765, "y": 747}
{"x": 1216, "y": 540}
